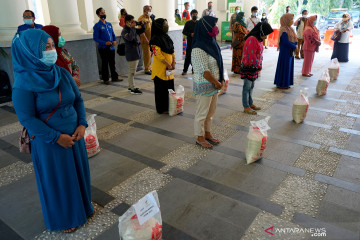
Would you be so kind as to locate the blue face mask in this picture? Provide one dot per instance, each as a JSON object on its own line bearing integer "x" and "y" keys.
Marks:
{"x": 49, "y": 57}
{"x": 28, "y": 21}
{"x": 315, "y": 23}
{"x": 254, "y": 14}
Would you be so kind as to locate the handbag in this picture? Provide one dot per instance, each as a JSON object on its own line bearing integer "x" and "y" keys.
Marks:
{"x": 24, "y": 140}
{"x": 121, "y": 48}
{"x": 336, "y": 36}
{"x": 235, "y": 43}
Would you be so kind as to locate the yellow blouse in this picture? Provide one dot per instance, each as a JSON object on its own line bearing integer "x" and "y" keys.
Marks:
{"x": 158, "y": 67}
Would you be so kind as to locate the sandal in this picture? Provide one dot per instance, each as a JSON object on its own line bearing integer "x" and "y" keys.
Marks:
{"x": 202, "y": 144}
{"x": 251, "y": 112}
{"x": 70, "y": 230}
{"x": 306, "y": 75}
{"x": 213, "y": 141}
{"x": 253, "y": 107}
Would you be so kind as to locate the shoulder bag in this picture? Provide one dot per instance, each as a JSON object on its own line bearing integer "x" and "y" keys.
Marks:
{"x": 336, "y": 36}
{"x": 24, "y": 140}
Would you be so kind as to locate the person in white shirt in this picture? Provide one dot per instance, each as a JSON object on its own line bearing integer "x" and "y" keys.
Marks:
{"x": 300, "y": 26}
{"x": 209, "y": 11}
{"x": 253, "y": 20}
{"x": 341, "y": 47}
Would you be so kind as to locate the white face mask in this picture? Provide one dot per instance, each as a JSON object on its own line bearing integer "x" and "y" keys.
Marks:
{"x": 304, "y": 15}
{"x": 149, "y": 14}
{"x": 254, "y": 14}
{"x": 237, "y": 11}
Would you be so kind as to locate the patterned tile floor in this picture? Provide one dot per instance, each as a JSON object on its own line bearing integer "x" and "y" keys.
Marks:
{"x": 307, "y": 181}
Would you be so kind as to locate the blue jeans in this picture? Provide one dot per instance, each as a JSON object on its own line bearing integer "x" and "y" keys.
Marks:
{"x": 247, "y": 92}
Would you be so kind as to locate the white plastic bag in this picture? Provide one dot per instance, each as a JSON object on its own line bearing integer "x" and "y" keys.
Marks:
{"x": 147, "y": 208}
{"x": 226, "y": 84}
{"x": 301, "y": 106}
{"x": 256, "y": 140}
{"x": 91, "y": 139}
{"x": 323, "y": 83}
{"x": 334, "y": 69}
{"x": 176, "y": 100}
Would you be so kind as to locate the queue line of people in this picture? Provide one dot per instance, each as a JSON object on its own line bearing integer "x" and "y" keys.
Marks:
{"x": 49, "y": 105}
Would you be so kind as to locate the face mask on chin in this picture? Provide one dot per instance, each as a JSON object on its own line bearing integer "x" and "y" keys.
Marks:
{"x": 49, "y": 57}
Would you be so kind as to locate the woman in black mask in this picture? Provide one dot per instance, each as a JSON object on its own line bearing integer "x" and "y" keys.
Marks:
{"x": 162, "y": 74}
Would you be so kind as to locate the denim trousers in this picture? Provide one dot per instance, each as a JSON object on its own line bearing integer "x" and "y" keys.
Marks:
{"x": 247, "y": 92}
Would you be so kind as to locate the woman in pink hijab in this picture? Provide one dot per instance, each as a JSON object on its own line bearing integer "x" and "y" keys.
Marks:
{"x": 312, "y": 43}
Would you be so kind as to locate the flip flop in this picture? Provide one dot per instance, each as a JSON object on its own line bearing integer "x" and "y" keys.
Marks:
{"x": 213, "y": 141}
{"x": 201, "y": 144}
{"x": 251, "y": 112}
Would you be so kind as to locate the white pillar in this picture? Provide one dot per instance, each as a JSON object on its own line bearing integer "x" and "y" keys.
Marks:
{"x": 200, "y": 6}
{"x": 65, "y": 15}
{"x": 11, "y": 13}
{"x": 164, "y": 9}
{"x": 86, "y": 14}
{"x": 45, "y": 11}
{"x": 248, "y": 4}
{"x": 112, "y": 13}
{"x": 135, "y": 8}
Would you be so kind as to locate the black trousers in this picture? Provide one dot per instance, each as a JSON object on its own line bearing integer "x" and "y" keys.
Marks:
{"x": 108, "y": 60}
{"x": 162, "y": 94}
{"x": 187, "y": 58}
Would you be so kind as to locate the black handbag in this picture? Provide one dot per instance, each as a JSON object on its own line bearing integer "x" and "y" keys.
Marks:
{"x": 336, "y": 36}
{"x": 121, "y": 48}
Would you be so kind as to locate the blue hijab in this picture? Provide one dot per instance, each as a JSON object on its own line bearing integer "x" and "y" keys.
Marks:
{"x": 203, "y": 41}
{"x": 30, "y": 73}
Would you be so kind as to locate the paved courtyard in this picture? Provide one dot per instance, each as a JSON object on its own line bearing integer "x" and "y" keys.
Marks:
{"x": 309, "y": 176}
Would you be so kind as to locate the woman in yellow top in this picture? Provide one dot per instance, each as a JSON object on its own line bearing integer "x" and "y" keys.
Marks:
{"x": 163, "y": 66}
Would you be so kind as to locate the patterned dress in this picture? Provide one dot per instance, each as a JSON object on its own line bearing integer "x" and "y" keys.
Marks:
{"x": 72, "y": 66}
{"x": 239, "y": 34}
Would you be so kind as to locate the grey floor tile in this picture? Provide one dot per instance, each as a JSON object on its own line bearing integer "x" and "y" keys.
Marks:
{"x": 348, "y": 169}
{"x": 20, "y": 207}
{"x": 343, "y": 198}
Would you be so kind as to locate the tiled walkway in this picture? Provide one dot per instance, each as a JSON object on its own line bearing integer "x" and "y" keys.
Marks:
{"x": 308, "y": 178}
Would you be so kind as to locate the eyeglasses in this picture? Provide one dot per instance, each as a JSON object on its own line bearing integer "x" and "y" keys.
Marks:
{"x": 27, "y": 17}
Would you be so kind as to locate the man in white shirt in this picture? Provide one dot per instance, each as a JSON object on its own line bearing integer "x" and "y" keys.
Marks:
{"x": 252, "y": 21}
{"x": 209, "y": 11}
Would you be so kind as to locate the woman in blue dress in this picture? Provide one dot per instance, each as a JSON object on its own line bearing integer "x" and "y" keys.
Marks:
{"x": 57, "y": 146}
{"x": 284, "y": 76}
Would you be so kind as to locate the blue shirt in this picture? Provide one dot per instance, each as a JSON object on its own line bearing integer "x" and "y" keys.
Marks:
{"x": 26, "y": 27}
{"x": 103, "y": 32}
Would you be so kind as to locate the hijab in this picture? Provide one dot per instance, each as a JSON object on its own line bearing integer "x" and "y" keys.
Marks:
{"x": 30, "y": 73}
{"x": 53, "y": 31}
{"x": 285, "y": 28}
{"x": 261, "y": 29}
{"x": 239, "y": 19}
{"x": 159, "y": 38}
{"x": 203, "y": 41}
{"x": 309, "y": 25}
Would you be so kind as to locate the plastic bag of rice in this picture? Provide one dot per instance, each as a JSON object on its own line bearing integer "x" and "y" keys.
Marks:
{"x": 256, "y": 140}
{"x": 323, "y": 83}
{"x": 226, "y": 84}
{"x": 91, "y": 139}
{"x": 142, "y": 221}
{"x": 300, "y": 106}
{"x": 176, "y": 100}
{"x": 334, "y": 69}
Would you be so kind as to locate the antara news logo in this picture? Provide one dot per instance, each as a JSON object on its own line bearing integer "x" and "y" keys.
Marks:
{"x": 315, "y": 232}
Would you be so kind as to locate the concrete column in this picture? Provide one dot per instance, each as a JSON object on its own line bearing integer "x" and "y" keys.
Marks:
{"x": 86, "y": 14}
{"x": 11, "y": 13}
{"x": 165, "y": 9}
{"x": 65, "y": 15}
{"x": 248, "y": 4}
{"x": 135, "y": 8}
{"x": 112, "y": 13}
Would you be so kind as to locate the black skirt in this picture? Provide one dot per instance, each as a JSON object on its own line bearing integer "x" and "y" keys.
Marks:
{"x": 162, "y": 94}
{"x": 341, "y": 52}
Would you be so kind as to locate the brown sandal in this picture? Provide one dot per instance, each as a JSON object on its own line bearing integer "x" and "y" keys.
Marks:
{"x": 251, "y": 112}
{"x": 70, "y": 230}
{"x": 202, "y": 144}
